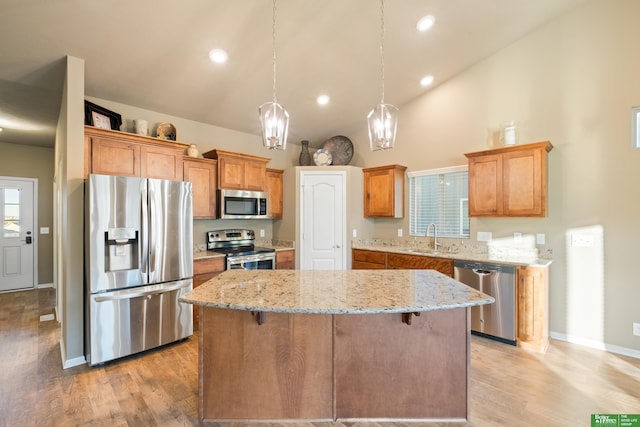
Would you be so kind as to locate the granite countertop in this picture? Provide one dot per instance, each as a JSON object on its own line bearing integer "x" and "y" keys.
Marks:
{"x": 335, "y": 291}
{"x": 500, "y": 258}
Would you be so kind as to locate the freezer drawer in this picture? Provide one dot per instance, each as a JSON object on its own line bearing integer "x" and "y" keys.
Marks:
{"x": 137, "y": 319}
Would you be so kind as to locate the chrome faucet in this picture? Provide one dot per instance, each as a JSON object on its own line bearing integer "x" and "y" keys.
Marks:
{"x": 435, "y": 235}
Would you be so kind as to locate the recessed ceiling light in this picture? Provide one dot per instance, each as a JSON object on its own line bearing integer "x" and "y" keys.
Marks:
{"x": 323, "y": 99}
{"x": 425, "y": 23}
{"x": 426, "y": 80}
{"x": 218, "y": 56}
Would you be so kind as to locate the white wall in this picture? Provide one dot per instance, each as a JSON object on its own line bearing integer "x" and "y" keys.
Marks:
{"x": 68, "y": 230}
{"x": 572, "y": 82}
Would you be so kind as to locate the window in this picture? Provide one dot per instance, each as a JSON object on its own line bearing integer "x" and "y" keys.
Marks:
{"x": 11, "y": 209}
{"x": 635, "y": 129}
{"x": 439, "y": 196}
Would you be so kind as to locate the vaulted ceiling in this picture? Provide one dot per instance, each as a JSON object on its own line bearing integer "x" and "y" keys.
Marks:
{"x": 153, "y": 54}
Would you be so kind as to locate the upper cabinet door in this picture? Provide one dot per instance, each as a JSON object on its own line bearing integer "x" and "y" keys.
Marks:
{"x": 274, "y": 188}
{"x": 485, "y": 185}
{"x": 202, "y": 174}
{"x": 510, "y": 181}
{"x": 525, "y": 183}
{"x": 113, "y": 157}
{"x": 161, "y": 162}
{"x": 384, "y": 191}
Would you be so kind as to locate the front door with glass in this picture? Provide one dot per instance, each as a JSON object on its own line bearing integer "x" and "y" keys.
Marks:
{"x": 17, "y": 240}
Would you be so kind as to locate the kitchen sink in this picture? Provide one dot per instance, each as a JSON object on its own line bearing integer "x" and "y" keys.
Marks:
{"x": 419, "y": 251}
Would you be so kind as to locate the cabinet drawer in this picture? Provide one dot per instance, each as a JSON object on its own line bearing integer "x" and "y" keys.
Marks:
{"x": 443, "y": 265}
{"x": 374, "y": 257}
{"x": 209, "y": 265}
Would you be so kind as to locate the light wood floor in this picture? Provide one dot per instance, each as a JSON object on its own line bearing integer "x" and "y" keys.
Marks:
{"x": 509, "y": 386}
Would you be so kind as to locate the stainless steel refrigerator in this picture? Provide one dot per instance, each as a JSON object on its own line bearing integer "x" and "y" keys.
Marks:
{"x": 138, "y": 262}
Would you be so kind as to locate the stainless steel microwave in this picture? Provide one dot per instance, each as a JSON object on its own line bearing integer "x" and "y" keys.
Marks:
{"x": 241, "y": 204}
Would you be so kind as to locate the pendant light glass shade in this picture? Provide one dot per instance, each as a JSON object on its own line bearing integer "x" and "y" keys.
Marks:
{"x": 274, "y": 121}
{"x": 383, "y": 123}
{"x": 383, "y": 119}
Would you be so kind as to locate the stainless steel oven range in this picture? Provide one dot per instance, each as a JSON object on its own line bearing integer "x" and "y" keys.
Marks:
{"x": 238, "y": 246}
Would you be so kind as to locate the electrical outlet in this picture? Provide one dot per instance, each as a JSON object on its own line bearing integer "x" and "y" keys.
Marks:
{"x": 399, "y": 232}
{"x": 354, "y": 233}
{"x": 636, "y": 329}
{"x": 517, "y": 237}
{"x": 262, "y": 232}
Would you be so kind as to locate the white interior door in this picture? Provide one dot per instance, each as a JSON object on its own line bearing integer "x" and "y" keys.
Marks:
{"x": 322, "y": 221}
{"x": 17, "y": 240}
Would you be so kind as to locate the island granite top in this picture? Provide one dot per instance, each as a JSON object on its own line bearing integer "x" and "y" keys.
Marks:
{"x": 335, "y": 291}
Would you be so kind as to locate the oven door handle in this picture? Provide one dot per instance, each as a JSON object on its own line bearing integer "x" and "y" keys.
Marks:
{"x": 238, "y": 263}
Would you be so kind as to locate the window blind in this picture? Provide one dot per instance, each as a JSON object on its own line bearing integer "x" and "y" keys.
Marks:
{"x": 439, "y": 196}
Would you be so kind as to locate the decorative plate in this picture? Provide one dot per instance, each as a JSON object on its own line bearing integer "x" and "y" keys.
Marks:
{"x": 322, "y": 157}
{"x": 341, "y": 149}
{"x": 166, "y": 131}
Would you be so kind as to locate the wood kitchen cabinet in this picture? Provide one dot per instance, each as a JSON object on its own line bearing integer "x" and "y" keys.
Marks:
{"x": 202, "y": 173}
{"x": 384, "y": 191}
{"x": 402, "y": 261}
{"x": 509, "y": 181}
{"x": 274, "y": 189}
{"x": 285, "y": 259}
{"x": 239, "y": 171}
{"x": 362, "y": 259}
{"x": 532, "y": 307}
{"x": 111, "y": 152}
{"x": 203, "y": 270}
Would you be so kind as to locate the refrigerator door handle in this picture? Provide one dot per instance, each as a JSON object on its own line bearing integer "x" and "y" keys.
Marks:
{"x": 144, "y": 232}
{"x": 129, "y": 295}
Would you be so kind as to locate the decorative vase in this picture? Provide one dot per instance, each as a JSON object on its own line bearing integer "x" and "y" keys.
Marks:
{"x": 305, "y": 156}
{"x": 192, "y": 151}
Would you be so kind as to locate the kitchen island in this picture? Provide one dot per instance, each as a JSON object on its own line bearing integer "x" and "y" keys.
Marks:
{"x": 334, "y": 345}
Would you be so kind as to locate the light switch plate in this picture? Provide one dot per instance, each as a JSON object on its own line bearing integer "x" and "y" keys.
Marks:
{"x": 484, "y": 236}
{"x": 44, "y": 230}
{"x": 399, "y": 232}
{"x": 540, "y": 239}
{"x": 517, "y": 237}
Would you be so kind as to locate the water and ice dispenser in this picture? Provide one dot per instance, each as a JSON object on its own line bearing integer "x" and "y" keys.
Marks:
{"x": 121, "y": 249}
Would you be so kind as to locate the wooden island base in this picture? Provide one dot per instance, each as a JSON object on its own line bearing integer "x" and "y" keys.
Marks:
{"x": 333, "y": 366}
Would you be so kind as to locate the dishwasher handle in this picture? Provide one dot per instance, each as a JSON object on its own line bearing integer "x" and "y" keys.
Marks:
{"x": 484, "y": 268}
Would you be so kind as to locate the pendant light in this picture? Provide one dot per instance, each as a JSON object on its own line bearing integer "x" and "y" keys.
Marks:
{"x": 274, "y": 119}
{"x": 383, "y": 119}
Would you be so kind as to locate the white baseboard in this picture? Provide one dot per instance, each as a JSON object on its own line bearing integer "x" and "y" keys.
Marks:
{"x": 66, "y": 364}
{"x": 44, "y": 285}
{"x": 596, "y": 344}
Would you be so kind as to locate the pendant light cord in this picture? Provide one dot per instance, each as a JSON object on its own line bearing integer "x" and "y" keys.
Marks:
{"x": 381, "y": 48}
{"x": 274, "y": 50}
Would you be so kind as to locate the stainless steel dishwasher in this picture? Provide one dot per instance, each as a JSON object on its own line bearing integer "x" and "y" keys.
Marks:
{"x": 497, "y": 320}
